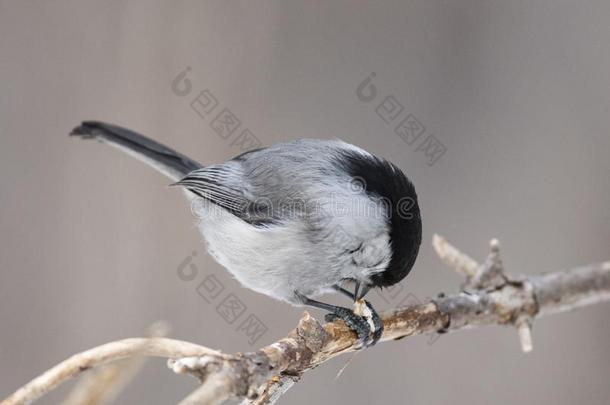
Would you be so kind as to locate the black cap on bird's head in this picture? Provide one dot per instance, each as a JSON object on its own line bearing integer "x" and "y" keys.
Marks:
{"x": 384, "y": 180}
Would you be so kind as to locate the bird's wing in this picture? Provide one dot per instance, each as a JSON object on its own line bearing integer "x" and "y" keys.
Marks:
{"x": 227, "y": 187}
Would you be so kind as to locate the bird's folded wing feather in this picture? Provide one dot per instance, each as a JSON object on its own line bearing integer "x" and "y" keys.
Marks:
{"x": 225, "y": 186}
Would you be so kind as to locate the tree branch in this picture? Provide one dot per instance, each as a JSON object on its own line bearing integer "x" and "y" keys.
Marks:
{"x": 489, "y": 297}
{"x": 120, "y": 349}
{"x": 103, "y": 384}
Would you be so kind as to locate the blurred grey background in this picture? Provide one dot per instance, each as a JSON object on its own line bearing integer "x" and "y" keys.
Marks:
{"x": 518, "y": 94}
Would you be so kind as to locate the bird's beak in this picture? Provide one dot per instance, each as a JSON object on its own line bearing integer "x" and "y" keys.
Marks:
{"x": 359, "y": 293}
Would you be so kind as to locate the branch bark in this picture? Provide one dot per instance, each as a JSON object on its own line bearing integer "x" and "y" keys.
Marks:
{"x": 489, "y": 297}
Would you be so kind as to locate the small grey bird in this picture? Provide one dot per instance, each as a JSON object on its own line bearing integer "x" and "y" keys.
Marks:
{"x": 298, "y": 219}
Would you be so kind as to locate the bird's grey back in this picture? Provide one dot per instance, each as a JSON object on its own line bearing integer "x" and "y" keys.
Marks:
{"x": 288, "y": 178}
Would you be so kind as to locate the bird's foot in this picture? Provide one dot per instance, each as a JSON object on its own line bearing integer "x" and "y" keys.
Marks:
{"x": 355, "y": 322}
{"x": 364, "y": 320}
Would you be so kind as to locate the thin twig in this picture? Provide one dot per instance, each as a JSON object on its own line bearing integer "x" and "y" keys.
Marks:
{"x": 103, "y": 384}
{"x": 460, "y": 262}
{"x": 121, "y": 349}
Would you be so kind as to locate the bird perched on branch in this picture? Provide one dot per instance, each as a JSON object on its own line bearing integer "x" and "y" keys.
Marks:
{"x": 297, "y": 219}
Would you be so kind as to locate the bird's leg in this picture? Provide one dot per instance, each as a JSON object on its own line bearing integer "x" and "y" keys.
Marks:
{"x": 355, "y": 322}
{"x": 372, "y": 315}
{"x": 345, "y": 292}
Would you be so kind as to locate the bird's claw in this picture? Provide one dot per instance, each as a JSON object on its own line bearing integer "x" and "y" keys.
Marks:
{"x": 364, "y": 321}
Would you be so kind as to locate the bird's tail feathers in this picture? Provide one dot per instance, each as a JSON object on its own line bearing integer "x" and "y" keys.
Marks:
{"x": 167, "y": 161}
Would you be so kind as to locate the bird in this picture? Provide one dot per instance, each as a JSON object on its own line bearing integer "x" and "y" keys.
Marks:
{"x": 297, "y": 219}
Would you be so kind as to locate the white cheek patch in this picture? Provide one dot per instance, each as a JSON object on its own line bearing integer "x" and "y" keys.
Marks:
{"x": 377, "y": 269}
{"x": 374, "y": 256}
